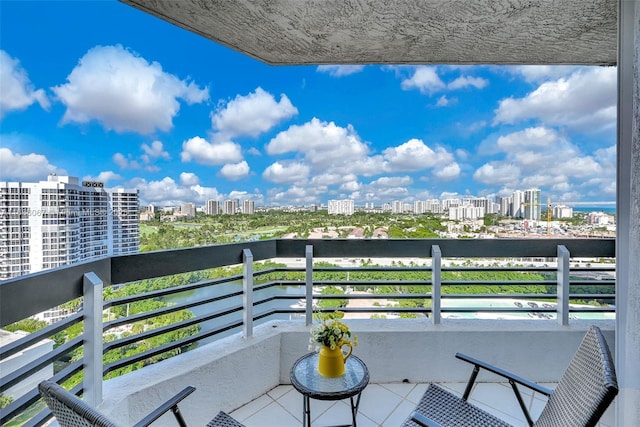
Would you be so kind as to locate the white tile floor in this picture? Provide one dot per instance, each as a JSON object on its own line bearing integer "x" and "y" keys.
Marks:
{"x": 384, "y": 405}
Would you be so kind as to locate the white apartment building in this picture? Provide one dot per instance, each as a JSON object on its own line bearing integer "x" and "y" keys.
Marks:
{"x": 459, "y": 213}
{"x": 188, "y": 209}
{"x": 450, "y": 203}
{"x": 600, "y": 218}
{"x": 123, "y": 221}
{"x": 532, "y": 204}
{"x": 61, "y": 221}
{"x": 230, "y": 207}
{"x": 341, "y": 207}
{"x": 397, "y": 207}
{"x": 506, "y": 205}
{"x": 212, "y": 207}
{"x": 517, "y": 210}
{"x": 433, "y": 206}
{"x": 248, "y": 207}
{"x": 562, "y": 211}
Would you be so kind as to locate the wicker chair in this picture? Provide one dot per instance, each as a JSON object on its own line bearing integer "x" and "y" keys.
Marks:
{"x": 583, "y": 394}
{"x": 71, "y": 411}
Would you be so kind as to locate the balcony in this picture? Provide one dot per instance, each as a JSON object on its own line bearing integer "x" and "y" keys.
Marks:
{"x": 254, "y": 323}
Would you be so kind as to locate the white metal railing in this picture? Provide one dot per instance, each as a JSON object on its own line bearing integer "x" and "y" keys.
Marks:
{"x": 94, "y": 280}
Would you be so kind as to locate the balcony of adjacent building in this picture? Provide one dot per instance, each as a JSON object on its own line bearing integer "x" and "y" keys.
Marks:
{"x": 243, "y": 314}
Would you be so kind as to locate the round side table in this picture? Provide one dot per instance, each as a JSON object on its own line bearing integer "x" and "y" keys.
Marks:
{"x": 306, "y": 379}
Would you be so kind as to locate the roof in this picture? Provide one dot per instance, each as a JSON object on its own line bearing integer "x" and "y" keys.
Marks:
{"x": 284, "y": 32}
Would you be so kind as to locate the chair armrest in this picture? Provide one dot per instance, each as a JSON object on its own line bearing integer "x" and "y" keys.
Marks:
{"x": 506, "y": 374}
{"x": 171, "y": 404}
{"x": 423, "y": 421}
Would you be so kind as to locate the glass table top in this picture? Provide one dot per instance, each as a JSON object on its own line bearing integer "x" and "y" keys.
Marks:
{"x": 306, "y": 379}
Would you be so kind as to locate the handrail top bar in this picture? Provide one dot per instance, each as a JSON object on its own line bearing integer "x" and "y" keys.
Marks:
{"x": 54, "y": 287}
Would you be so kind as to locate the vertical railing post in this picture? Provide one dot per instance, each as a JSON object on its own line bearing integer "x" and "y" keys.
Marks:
{"x": 92, "y": 310}
{"x": 308, "y": 254}
{"x": 436, "y": 283}
{"x": 247, "y": 293}
{"x": 563, "y": 285}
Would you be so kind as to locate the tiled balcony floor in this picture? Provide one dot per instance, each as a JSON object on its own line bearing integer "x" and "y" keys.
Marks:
{"x": 384, "y": 405}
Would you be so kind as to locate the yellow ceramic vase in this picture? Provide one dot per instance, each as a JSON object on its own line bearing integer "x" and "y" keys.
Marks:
{"x": 331, "y": 362}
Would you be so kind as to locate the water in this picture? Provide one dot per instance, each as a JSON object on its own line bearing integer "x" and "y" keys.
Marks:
{"x": 608, "y": 209}
{"x": 219, "y": 290}
{"x": 509, "y": 303}
{"x": 228, "y": 288}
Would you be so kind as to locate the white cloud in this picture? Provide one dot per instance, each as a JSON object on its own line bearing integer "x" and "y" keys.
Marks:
{"x": 542, "y": 157}
{"x": 330, "y": 160}
{"x": 166, "y": 192}
{"x": 350, "y": 186}
{"x": 538, "y": 138}
{"x": 294, "y": 195}
{"x": 497, "y": 173}
{"x": 585, "y": 101}
{"x": 197, "y": 149}
{"x": 324, "y": 145}
{"x": 392, "y": 181}
{"x": 154, "y": 151}
{"x": 448, "y": 172}
{"x": 27, "y": 167}
{"x": 104, "y": 177}
{"x": 327, "y": 179}
{"x": 443, "y": 101}
{"x": 125, "y": 162}
{"x": 539, "y": 73}
{"x": 235, "y": 171}
{"x": 340, "y": 70}
{"x": 415, "y": 155}
{"x": 16, "y": 90}
{"x": 286, "y": 173}
{"x": 391, "y": 193}
{"x": 252, "y": 114}
{"x": 425, "y": 79}
{"x": 464, "y": 81}
{"x": 124, "y": 92}
{"x": 150, "y": 154}
{"x": 189, "y": 179}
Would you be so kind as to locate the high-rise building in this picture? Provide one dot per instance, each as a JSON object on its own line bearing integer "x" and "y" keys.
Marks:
{"x": 562, "y": 211}
{"x": 341, "y": 207}
{"x": 230, "y": 207}
{"x": 397, "y": 206}
{"x": 60, "y": 221}
{"x": 532, "y": 205}
{"x": 517, "y": 199}
{"x": 123, "y": 221}
{"x": 212, "y": 207}
{"x": 248, "y": 207}
{"x": 188, "y": 209}
{"x": 450, "y": 203}
{"x": 433, "y": 205}
{"x": 506, "y": 204}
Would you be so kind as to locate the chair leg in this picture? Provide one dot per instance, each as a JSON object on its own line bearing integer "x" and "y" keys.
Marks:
{"x": 179, "y": 417}
{"x": 472, "y": 379}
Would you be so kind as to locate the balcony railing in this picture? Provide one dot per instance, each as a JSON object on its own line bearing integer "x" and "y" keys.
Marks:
{"x": 434, "y": 280}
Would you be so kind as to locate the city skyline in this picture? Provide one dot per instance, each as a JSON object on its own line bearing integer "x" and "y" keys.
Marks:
{"x": 147, "y": 105}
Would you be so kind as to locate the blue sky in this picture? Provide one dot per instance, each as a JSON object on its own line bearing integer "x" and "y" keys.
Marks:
{"x": 102, "y": 91}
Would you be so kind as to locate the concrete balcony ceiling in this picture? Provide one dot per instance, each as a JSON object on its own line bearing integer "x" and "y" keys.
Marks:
{"x": 288, "y": 32}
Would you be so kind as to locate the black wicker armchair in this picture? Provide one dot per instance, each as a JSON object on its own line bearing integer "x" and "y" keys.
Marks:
{"x": 583, "y": 394}
{"x": 71, "y": 411}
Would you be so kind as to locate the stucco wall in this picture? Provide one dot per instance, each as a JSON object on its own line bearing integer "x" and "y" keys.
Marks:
{"x": 233, "y": 371}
